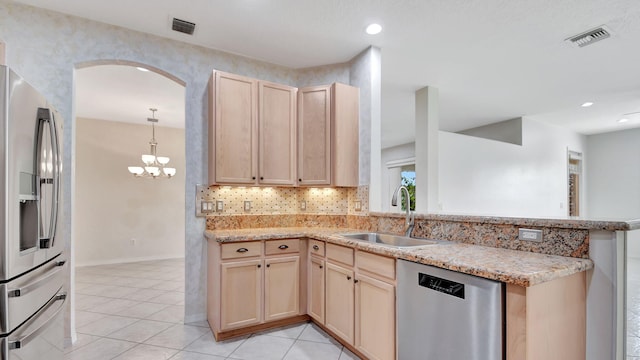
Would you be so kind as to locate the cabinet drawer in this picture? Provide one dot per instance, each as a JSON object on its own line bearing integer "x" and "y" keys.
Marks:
{"x": 376, "y": 264}
{"x": 316, "y": 247}
{"x": 285, "y": 246}
{"x": 340, "y": 254}
{"x": 241, "y": 249}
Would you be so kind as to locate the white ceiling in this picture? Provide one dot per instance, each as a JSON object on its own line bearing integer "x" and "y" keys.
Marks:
{"x": 491, "y": 60}
{"x": 124, "y": 93}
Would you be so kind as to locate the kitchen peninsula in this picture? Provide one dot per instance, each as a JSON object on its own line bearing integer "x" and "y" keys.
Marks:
{"x": 547, "y": 284}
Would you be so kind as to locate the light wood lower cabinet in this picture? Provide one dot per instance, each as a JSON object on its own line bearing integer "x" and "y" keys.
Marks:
{"x": 316, "y": 289}
{"x": 241, "y": 298}
{"x": 281, "y": 287}
{"x": 340, "y": 302}
{"x": 251, "y": 285}
{"x": 375, "y": 320}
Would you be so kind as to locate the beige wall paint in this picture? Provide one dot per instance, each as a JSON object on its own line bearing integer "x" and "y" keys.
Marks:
{"x": 113, "y": 207}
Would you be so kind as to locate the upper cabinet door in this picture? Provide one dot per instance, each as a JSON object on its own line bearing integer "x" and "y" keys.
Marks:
{"x": 235, "y": 129}
{"x": 345, "y": 102}
{"x": 314, "y": 136}
{"x": 277, "y": 134}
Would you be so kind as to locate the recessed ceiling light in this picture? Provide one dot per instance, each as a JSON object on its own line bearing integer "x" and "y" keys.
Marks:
{"x": 374, "y": 29}
{"x": 623, "y": 120}
{"x": 142, "y": 69}
{"x": 587, "y": 104}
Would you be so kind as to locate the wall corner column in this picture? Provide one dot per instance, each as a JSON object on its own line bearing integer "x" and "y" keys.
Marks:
{"x": 427, "y": 127}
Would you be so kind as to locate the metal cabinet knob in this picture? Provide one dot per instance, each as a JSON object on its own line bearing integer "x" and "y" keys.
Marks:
{"x": 283, "y": 247}
{"x": 355, "y": 281}
{"x": 320, "y": 266}
{"x": 253, "y": 178}
{"x": 242, "y": 250}
{"x": 268, "y": 265}
{"x": 261, "y": 178}
{"x": 316, "y": 247}
{"x": 259, "y": 265}
{"x": 299, "y": 179}
{"x": 348, "y": 277}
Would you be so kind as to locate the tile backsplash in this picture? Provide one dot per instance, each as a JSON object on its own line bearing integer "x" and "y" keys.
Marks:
{"x": 290, "y": 200}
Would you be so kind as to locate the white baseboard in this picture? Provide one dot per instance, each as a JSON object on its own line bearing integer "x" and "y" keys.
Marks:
{"x": 126, "y": 260}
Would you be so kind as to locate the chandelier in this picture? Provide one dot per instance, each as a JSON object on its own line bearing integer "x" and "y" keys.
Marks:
{"x": 154, "y": 166}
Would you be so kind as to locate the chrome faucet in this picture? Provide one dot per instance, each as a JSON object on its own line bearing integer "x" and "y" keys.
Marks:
{"x": 407, "y": 205}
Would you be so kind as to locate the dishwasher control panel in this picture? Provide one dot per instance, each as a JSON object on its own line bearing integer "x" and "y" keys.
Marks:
{"x": 442, "y": 285}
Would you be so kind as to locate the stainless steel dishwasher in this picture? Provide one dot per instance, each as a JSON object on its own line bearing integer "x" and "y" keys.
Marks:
{"x": 446, "y": 315}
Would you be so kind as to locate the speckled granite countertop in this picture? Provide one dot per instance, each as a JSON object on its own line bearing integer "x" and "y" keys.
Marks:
{"x": 509, "y": 266}
{"x": 559, "y": 222}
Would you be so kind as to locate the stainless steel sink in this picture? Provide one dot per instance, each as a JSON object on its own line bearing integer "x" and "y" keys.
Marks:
{"x": 390, "y": 240}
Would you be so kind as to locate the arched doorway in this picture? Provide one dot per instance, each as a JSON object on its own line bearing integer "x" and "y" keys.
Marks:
{"x": 116, "y": 217}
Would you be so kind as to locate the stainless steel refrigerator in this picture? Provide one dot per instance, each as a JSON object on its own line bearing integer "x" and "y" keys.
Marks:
{"x": 32, "y": 293}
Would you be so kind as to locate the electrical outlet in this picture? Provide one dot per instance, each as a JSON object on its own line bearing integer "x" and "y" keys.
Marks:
{"x": 358, "y": 205}
{"x": 247, "y": 205}
{"x": 303, "y": 205}
{"x": 205, "y": 200}
{"x": 530, "y": 235}
{"x": 219, "y": 205}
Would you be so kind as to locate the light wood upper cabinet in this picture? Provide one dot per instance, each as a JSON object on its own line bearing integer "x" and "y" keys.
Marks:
{"x": 252, "y": 132}
{"x": 345, "y": 118}
{"x": 339, "y": 311}
{"x": 314, "y": 135}
{"x": 241, "y": 297}
{"x": 277, "y": 134}
{"x": 375, "y": 320}
{"x": 316, "y": 289}
{"x": 281, "y": 287}
{"x": 233, "y": 129}
{"x": 328, "y": 135}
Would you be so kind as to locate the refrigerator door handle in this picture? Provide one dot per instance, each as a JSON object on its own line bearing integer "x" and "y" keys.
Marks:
{"x": 22, "y": 290}
{"x": 46, "y": 116}
{"x": 24, "y": 340}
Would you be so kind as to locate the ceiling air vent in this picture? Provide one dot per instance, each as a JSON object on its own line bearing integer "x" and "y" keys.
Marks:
{"x": 590, "y": 37}
{"x": 183, "y": 26}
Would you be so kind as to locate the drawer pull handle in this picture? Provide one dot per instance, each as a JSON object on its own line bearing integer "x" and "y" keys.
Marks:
{"x": 242, "y": 250}
{"x": 348, "y": 277}
{"x": 316, "y": 247}
{"x": 355, "y": 281}
{"x": 283, "y": 247}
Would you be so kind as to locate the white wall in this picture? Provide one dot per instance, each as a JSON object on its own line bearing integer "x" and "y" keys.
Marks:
{"x": 479, "y": 176}
{"x": 487, "y": 177}
{"x": 614, "y": 179}
{"x": 112, "y": 207}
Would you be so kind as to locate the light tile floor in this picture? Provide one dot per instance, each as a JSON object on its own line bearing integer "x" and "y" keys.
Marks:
{"x": 136, "y": 311}
{"x": 633, "y": 309}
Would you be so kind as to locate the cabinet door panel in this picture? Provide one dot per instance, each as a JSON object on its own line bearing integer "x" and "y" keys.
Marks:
{"x": 282, "y": 281}
{"x": 235, "y": 129}
{"x": 241, "y": 290}
{"x": 277, "y": 134}
{"x": 314, "y": 136}
{"x": 316, "y": 289}
{"x": 339, "y": 305}
{"x": 375, "y": 318}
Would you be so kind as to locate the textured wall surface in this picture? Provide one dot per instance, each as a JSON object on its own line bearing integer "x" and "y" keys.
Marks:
{"x": 46, "y": 47}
